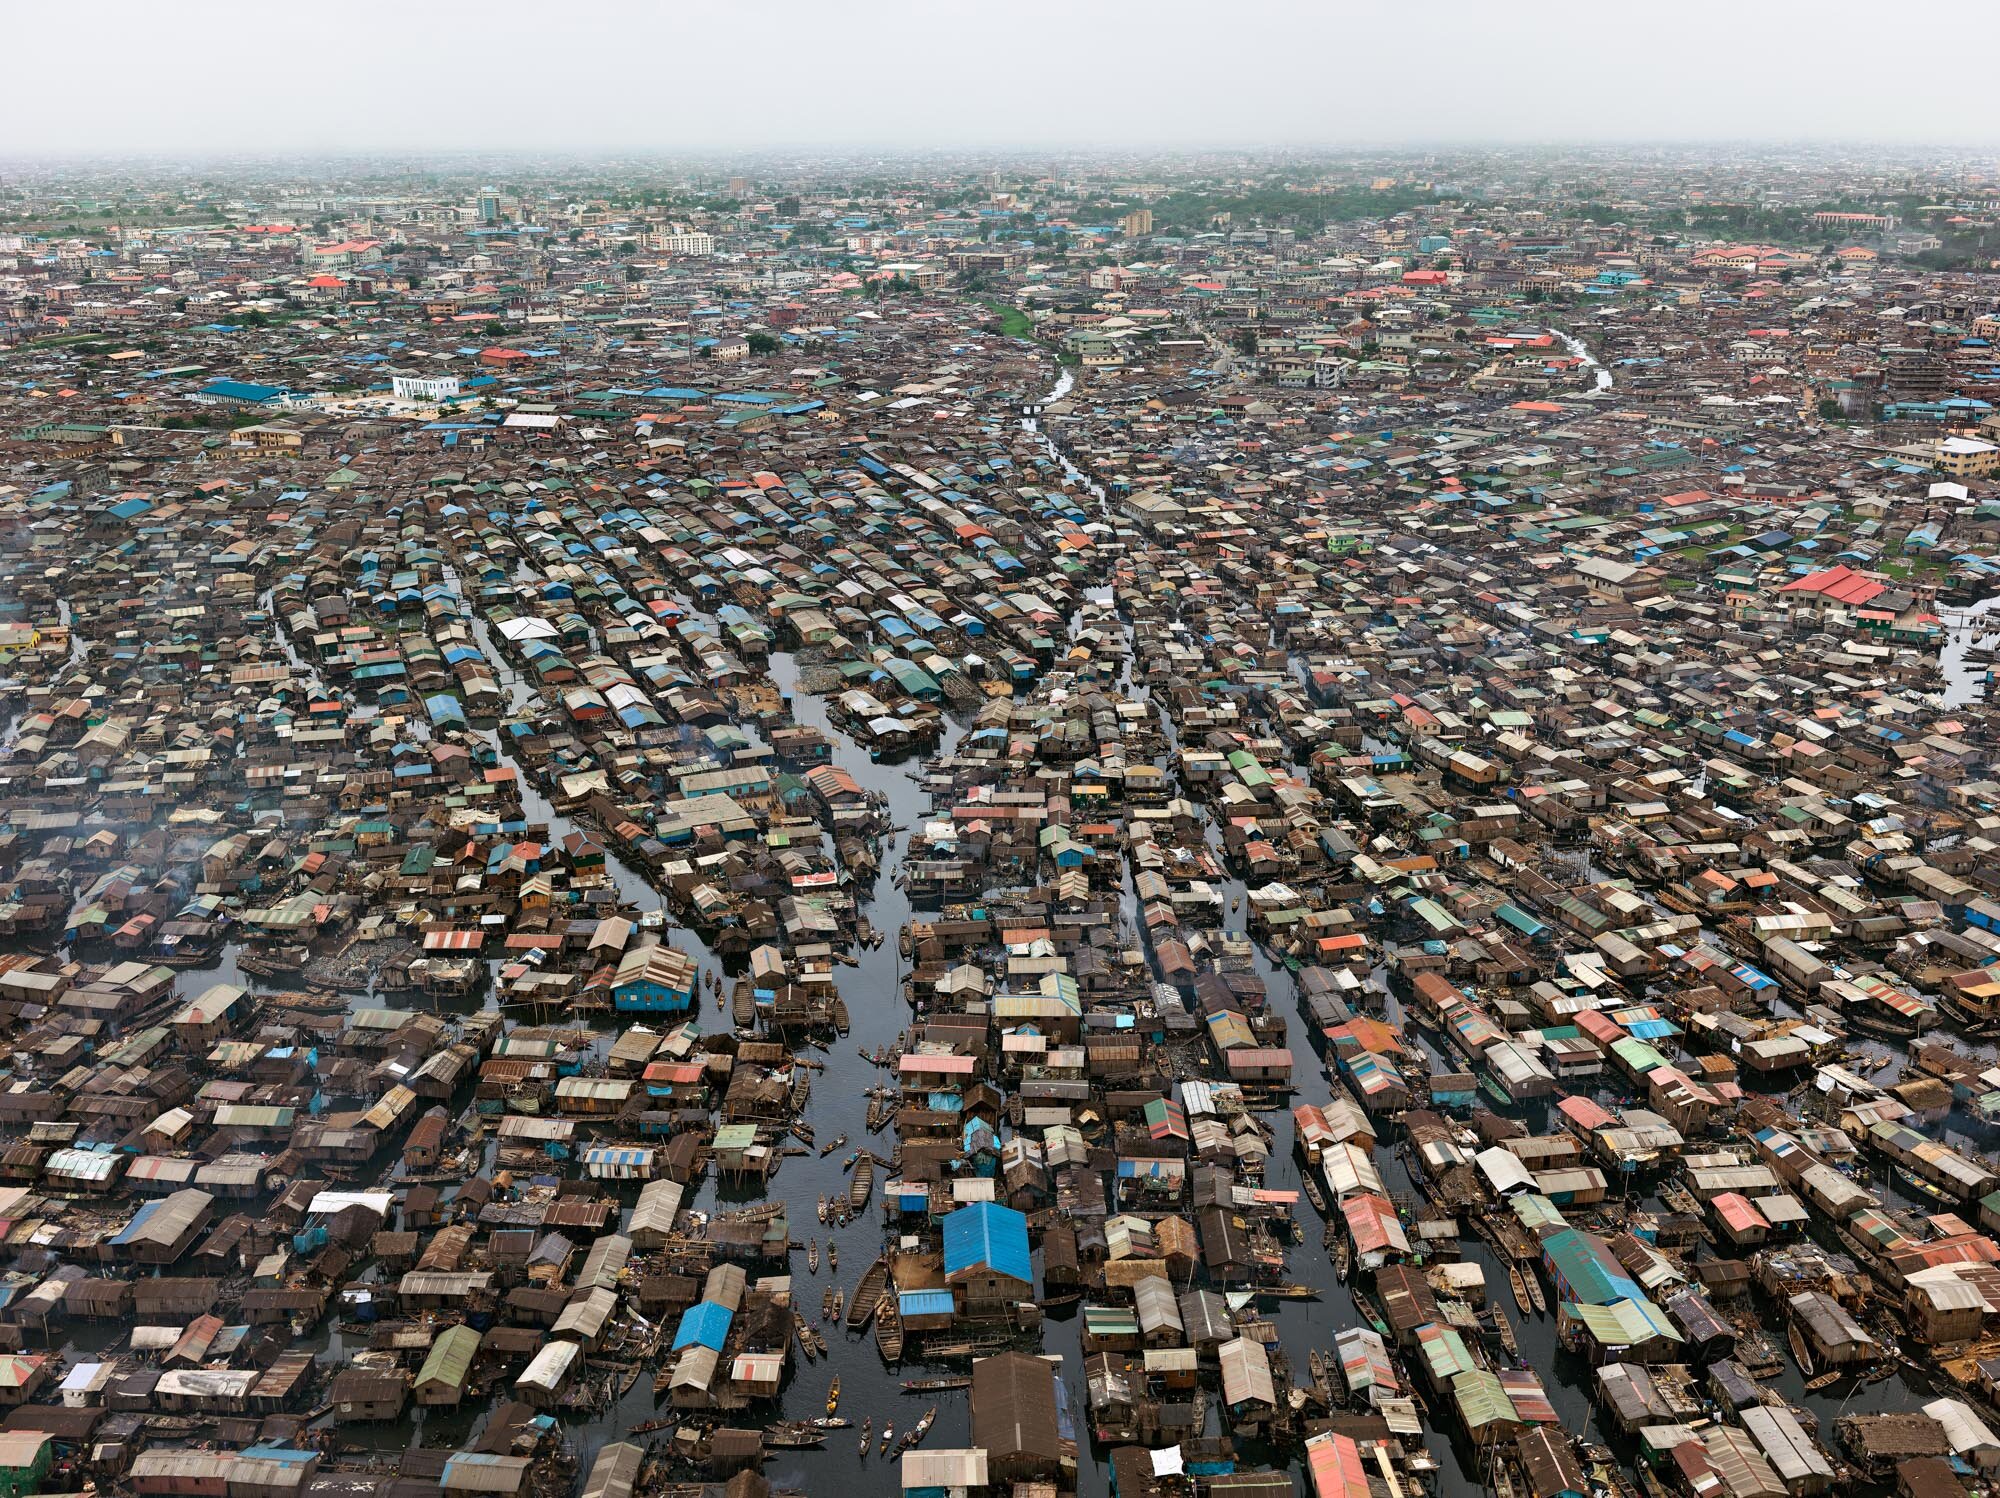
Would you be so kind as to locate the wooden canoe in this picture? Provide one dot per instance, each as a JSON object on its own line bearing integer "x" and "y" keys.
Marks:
{"x": 863, "y": 1183}
{"x": 867, "y": 1294}
{"x": 1799, "y": 1349}
{"x": 889, "y": 1329}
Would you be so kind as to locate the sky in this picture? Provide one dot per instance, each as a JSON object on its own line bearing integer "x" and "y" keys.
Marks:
{"x": 207, "y": 77}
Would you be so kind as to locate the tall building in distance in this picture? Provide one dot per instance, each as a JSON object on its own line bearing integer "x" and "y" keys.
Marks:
{"x": 1137, "y": 223}
{"x": 489, "y": 206}
{"x": 682, "y": 243}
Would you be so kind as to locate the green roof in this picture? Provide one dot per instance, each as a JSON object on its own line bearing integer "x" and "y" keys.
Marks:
{"x": 1623, "y": 1323}
{"x": 1535, "y": 1210}
{"x": 1638, "y": 1055}
{"x": 450, "y": 1361}
{"x": 1482, "y": 1400}
{"x": 1445, "y": 1351}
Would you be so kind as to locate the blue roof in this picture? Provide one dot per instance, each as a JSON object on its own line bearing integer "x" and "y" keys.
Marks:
{"x": 925, "y": 1303}
{"x": 988, "y": 1235}
{"x": 1590, "y": 1273}
{"x": 290, "y": 1455}
{"x": 139, "y": 1220}
{"x": 705, "y": 1322}
{"x": 241, "y": 390}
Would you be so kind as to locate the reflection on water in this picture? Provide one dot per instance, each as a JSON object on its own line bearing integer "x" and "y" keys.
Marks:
{"x": 871, "y": 989}
{"x": 1965, "y": 672}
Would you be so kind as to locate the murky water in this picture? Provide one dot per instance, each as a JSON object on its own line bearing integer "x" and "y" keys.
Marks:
{"x": 1964, "y": 671}
{"x": 871, "y": 988}
{"x": 1581, "y": 350}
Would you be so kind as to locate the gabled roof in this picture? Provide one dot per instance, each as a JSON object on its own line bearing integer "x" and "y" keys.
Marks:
{"x": 1841, "y": 584}
{"x": 991, "y": 1236}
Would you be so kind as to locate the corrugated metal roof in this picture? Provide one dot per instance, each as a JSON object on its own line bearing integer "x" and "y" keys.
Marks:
{"x": 551, "y": 1365}
{"x": 83, "y": 1165}
{"x": 944, "y": 1469}
{"x": 615, "y": 1472}
{"x": 987, "y": 1235}
{"x": 1334, "y": 1463}
{"x": 451, "y": 1355}
{"x": 1482, "y": 1401}
{"x": 1246, "y": 1373}
{"x": 705, "y": 1323}
{"x": 925, "y": 1303}
{"x": 484, "y": 1472}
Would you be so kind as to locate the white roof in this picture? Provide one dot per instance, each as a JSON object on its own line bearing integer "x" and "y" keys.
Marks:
{"x": 1943, "y": 1287}
{"x": 379, "y": 1202}
{"x": 527, "y": 628}
{"x": 659, "y": 1204}
{"x": 1503, "y": 1170}
{"x": 945, "y": 1468}
{"x": 1962, "y": 1427}
{"x": 82, "y": 1164}
{"x": 550, "y": 1366}
{"x": 1785, "y": 1443}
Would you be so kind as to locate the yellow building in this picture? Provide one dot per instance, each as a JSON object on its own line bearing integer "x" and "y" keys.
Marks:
{"x": 255, "y": 441}
{"x": 1967, "y": 458}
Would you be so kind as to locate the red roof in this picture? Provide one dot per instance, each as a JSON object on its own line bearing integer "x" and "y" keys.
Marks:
{"x": 1599, "y": 1026}
{"x": 1739, "y": 1212}
{"x": 1841, "y": 584}
{"x": 1585, "y": 1114}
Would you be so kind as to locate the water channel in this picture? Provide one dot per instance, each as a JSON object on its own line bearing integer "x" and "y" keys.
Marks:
{"x": 871, "y": 989}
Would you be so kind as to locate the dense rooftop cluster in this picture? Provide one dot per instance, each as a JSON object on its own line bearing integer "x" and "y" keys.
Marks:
{"x": 1337, "y": 822}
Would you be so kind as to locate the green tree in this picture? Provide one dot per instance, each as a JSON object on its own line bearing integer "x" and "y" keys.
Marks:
{"x": 761, "y": 342}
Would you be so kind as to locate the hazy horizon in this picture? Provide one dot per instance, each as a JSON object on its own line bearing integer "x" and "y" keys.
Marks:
{"x": 220, "y": 78}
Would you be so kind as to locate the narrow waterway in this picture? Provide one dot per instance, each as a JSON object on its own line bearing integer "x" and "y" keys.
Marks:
{"x": 1308, "y": 1325}
{"x": 1581, "y": 350}
{"x": 871, "y": 986}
